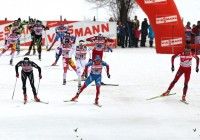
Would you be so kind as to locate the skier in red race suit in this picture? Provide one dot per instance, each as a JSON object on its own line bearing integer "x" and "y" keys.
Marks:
{"x": 185, "y": 68}
{"x": 100, "y": 45}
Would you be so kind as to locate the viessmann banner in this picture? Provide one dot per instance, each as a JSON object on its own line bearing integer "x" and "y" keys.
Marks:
{"x": 81, "y": 29}
{"x": 166, "y": 23}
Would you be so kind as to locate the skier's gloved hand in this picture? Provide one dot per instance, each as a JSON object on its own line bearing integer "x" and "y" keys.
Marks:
{"x": 40, "y": 76}
{"x": 172, "y": 68}
{"x": 17, "y": 75}
{"x": 108, "y": 75}
{"x": 197, "y": 69}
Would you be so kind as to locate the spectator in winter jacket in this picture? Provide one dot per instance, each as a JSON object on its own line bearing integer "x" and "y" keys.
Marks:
{"x": 193, "y": 35}
{"x": 121, "y": 33}
{"x": 150, "y": 36}
{"x": 129, "y": 29}
{"x": 144, "y": 32}
{"x": 197, "y": 33}
{"x": 188, "y": 33}
{"x": 136, "y": 33}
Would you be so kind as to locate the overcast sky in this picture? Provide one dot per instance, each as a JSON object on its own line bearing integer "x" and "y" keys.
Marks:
{"x": 79, "y": 10}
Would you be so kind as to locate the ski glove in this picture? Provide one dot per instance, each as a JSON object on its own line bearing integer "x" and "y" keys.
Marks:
{"x": 17, "y": 75}
{"x": 172, "y": 68}
{"x": 197, "y": 69}
{"x": 108, "y": 75}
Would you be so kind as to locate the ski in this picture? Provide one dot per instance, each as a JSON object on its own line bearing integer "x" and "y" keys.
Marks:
{"x": 50, "y": 66}
{"x": 75, "y": 80}
{"x": 97, "y": 105}
{"x": 43, "y": 102}
{"x": 185, "y": 102}
{"x": 69, "y": 101}
{"x": 159, "y": 96}
{"x": 107, "y": 84}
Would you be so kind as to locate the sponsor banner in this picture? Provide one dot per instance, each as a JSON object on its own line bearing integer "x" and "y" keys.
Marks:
{"x": 169, "y": 42}
{"x": 172, "y": 19}
{"x": 80, "y": 29}
{"x": 165, "y": 20}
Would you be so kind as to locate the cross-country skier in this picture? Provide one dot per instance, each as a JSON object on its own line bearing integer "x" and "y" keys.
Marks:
{"x": 60, "y": 33}
{"x": 38, "y": 28}
{"x": 81, "y": 60}
{"x": 100, "y": 45}
{"x": 72, "y": 40}
{"x": 30, "y": 25}
{"x": 11, "y": 42}
{"x": 27, "y": 72}
{"x": 67, "y": 52}
{"x": 18, "y": 27}
{"x": 185, "y": 68}
{"x": 95, "y": 75}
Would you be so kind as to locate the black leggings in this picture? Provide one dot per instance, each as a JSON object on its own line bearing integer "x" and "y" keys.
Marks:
{"x": 30, "y": 76}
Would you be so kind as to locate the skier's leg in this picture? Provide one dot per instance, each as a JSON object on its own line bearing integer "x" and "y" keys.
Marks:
{"x": 177, "y": 76}
{"x": 86, "y": 83}
{"x": 23, "y": 78}
{"x": 31, "y": 79}
{"x": 65, "y": 68}
{"x": 98, "y": 85}
{"x": 187, "y": 78}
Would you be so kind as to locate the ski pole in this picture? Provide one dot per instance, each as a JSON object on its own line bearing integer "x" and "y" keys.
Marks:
{"x": 14, "y": 88}
{"x": 38, "y": 87}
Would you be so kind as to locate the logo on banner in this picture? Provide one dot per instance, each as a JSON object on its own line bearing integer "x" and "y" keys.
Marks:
{"x": 166, "y": 19}
{"x": 154, "y": 1}
{"x": 171, "y": 42}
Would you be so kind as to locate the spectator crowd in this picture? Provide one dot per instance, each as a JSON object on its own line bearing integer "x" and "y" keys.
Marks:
{"x": 131, "y": 35}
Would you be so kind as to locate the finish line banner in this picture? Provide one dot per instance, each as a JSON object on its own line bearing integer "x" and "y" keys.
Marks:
{"x": 80, "y": 29}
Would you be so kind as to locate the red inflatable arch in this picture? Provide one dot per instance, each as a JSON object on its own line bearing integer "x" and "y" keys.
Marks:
{"x": 166, "y": 23}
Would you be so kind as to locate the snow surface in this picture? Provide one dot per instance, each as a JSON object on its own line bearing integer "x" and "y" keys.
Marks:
{"x": 125, "y": 114}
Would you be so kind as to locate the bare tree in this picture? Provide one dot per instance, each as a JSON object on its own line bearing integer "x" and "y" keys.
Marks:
{"x": 120, "y": 9}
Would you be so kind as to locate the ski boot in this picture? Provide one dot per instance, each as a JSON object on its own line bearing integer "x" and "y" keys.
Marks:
{"x": 36, "y": 98}
{"x": 64, "y": 81}
{"x": 96, "y": 101}
{"x": 166, "y": 93}
{"x": 25, "y": 98}
{"x": 54, "y": 64}
{"x": 183, "y": 98}
{"x": 11, "y": 61}
{"x": 39, "y": 56}
{"x": 74, "y": 99}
